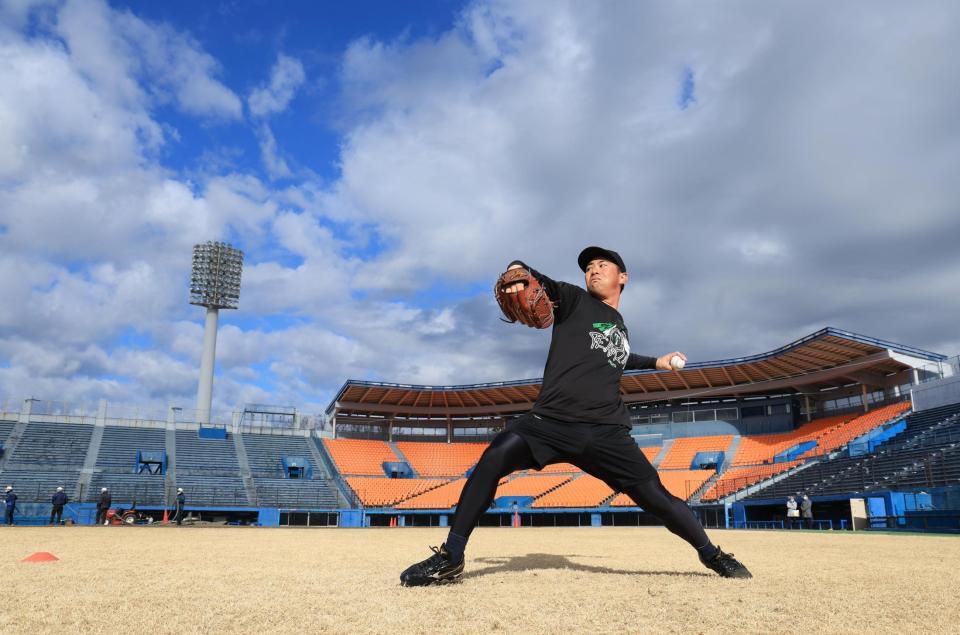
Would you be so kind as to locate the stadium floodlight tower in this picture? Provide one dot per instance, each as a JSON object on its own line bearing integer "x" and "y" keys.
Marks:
{"x": 215, "y": 284}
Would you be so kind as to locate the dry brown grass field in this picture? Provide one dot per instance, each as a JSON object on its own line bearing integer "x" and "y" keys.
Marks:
{"x": 529, "y": 580}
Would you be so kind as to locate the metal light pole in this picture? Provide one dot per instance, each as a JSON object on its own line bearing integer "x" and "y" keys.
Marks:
{"x": 215, "y": 284}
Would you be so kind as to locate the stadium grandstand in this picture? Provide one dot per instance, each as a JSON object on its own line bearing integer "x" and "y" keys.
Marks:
{"x": 869, "y": 429}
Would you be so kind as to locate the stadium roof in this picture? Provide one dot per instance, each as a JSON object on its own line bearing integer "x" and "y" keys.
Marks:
{"x": 829, "y": 358}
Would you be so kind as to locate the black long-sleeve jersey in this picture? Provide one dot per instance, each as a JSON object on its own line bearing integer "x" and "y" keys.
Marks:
{"x": 589, "y": 350}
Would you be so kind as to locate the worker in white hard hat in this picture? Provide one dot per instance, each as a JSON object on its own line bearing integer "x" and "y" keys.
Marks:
{"x": 103, "y": 504}
{"x": 56, "y": 511}
{"x": 178, "y": 512}
{"x": 11, "y": 504}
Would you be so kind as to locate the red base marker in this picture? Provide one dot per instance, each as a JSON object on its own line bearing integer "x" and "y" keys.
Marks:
{"x": 41, "y": 556}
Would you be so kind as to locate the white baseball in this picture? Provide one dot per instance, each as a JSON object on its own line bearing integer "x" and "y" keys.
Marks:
{"x": 676, "y": 362}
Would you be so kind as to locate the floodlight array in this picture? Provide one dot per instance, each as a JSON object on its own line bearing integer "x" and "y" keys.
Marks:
{"x": 215, "y": 278}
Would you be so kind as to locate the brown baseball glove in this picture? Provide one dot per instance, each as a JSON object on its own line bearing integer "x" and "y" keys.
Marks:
{"x": 530, "y": 305}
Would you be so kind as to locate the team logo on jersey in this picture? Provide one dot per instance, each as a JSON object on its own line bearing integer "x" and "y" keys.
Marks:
{"x": 612, "y": 340}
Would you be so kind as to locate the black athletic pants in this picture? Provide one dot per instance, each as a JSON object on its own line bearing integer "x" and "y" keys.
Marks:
{"x": 509, "y": 452}
{"x": 56, "y": 514}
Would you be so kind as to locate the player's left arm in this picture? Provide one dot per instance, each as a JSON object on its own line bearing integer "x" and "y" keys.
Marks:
{"x": 640, "y": 362}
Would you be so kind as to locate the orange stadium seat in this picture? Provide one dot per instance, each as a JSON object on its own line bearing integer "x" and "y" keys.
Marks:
{"x": 680, "y": 483}
{"x": 681, "y": 453}
{"x": 386, "y": 492}
{"x": 531, "y": 485}
{"x": 651, "y": 452}
{"x": 843, "y": 434}
{"x": 683, "y": 483}
{"x": 737, "y": 478}
{"x": 584, "y": 491}
{"x": 568, "y": 468}
{"x": 441, "y": 459}
{"x": 558, "y": 468}
{"x": 443, "y": 497}
{"x": 762, "y": 448}
{"x": 359, "y": 457}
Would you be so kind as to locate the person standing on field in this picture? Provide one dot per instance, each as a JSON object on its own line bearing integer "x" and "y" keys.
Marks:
{"x": 792, "y": 512}
{"x": 58, "y": 501}
{"x": 181, "y": 504}
{"x": 11, "y": 505}
{"x": 806, "y": 510}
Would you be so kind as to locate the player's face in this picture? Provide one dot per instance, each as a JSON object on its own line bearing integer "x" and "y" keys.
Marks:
{"x": 603, "y": 278}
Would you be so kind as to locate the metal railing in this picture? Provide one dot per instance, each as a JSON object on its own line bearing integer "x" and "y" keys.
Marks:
{"x": 949, "y": 522}
{"x": 792, "y": 523}
{"x": 53, "y": 411}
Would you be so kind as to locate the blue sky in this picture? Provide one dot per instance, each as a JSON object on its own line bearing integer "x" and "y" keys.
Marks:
{"x": 246, "y": 37}
{"x": 764, "y": 173}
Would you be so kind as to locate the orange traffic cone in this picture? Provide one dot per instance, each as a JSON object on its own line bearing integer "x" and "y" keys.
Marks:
{"x": 166, "y": 518}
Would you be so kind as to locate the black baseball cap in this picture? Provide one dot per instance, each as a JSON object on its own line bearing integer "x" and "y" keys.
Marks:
{"x": 592, "y": 253}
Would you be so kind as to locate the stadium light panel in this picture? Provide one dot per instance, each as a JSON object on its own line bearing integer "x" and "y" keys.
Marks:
{"x": 215, "y": 278}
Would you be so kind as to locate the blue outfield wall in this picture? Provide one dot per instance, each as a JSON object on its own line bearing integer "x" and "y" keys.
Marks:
{"x": 507, "y": 502}
{"x": 445, "y": 515}
{"x": 351, "y": 518}
{"x": 39, "y": 513}
{"x": 268, "y": 517}
{"x": 916, "y": 509}
{"x": 85, "y": 513}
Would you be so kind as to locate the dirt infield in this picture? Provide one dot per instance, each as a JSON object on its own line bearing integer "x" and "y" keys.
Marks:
{"x": 163, "y": 579}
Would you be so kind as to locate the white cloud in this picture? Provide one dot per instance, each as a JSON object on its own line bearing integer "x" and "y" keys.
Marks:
{"x": 137, "y": 63}
{"x": 54, "y": 121}
{"x": 286, "y": 77}
{"x": 275, "y": 165}
{"x": 759, "y": 249}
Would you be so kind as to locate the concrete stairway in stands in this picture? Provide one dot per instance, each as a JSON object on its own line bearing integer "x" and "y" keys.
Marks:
{"x": 695, "y": 498}
{"x": 90, "y": 462}
{"x": 667, "y": 444}
{"x": 245, "y": 474}
{"x": 730, "y": 453}
{"x": 400, "y": 455}
{"x": 10, "y": 445}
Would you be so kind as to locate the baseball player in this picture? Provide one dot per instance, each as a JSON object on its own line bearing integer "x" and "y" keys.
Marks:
{"x": 579, "y": 416}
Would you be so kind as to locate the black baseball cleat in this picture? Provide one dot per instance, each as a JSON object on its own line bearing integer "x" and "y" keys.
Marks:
{"x": 437, "y": 569}
{"x": 727, "y": 566}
